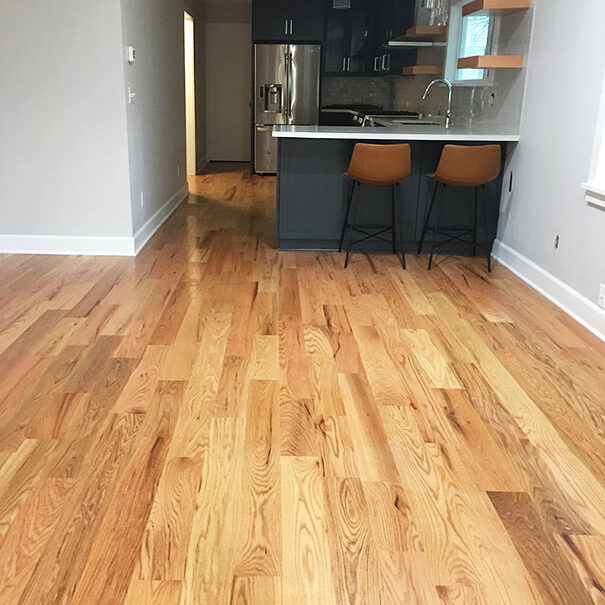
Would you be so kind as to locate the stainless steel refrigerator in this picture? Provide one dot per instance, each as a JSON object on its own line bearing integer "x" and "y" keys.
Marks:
{"x": 286, "y": 84}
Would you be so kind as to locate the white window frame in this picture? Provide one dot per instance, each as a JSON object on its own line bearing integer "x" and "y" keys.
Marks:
{"x": 595, "y": 186}
{"x": 453, "y": 48}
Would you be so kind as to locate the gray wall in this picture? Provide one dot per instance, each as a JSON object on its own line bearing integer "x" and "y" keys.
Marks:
{"x": 228, "y": 11}
{"x": 565, "y": 73}
{"x": 63, "y": 147}
{"x": 156, "y": 121}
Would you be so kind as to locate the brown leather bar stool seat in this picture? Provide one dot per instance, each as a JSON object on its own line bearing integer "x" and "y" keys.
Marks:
{"x": 376, "y": 165}
{"x": 462, "y": 166}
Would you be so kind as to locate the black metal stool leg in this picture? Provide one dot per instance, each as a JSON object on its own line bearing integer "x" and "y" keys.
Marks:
{"x": 393, "y": 218}
{"x": 397, "y": 243}
{"x": 348, "y": 211}
{"x": 436, "y": 234}
{"x": 486, "y": 223}
{"x": 428, "y": 216}
{"x": 354, "y": 209}
{"x": 476, "y": 210}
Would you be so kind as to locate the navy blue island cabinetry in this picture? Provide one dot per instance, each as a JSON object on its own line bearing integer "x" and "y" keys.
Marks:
{"x": 312, "y": 187}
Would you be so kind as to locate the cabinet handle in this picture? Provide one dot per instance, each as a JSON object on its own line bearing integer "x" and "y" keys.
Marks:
{"x": 376, "y": 63}
{"x": 286, "y": 27}
{"x": 385, "y": 62}
{"x": 291, "y": 28}
{"x": 344, "y": 64}
{"x": 349, "y": 64}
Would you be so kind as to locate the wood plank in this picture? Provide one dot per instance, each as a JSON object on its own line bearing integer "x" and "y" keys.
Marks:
{"x": 551, "y": 572}
{"x": 306, "y": 562}
{"x": 258, "y": 550}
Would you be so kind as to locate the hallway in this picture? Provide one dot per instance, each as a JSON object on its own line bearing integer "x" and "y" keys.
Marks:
{"x": 215, "y": 422}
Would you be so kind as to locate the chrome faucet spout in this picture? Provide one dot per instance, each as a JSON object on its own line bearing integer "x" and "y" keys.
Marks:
{"x": 448, "y": 115}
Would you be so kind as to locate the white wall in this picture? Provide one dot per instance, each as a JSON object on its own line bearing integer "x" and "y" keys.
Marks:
{"x": 156, "y": 121}
{"x": 63, "y": 147}
{"x": 565, "y": 73}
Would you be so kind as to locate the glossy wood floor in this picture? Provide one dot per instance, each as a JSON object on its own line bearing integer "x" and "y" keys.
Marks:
{"x": 219, "y": 423}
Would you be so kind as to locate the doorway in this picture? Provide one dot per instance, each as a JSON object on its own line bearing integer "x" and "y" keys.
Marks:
{"x": 190, "y": 94}
{"x": 229, "y": 81}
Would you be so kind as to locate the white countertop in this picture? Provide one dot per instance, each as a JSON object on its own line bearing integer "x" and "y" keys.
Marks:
{"x": 408, "y": 132}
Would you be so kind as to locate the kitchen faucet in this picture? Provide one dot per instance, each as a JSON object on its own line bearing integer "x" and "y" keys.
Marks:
{"x": 448, "y": 115}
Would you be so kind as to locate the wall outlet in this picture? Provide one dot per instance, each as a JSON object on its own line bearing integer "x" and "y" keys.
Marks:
{"x": 602, "y": 296}
{"x": 142, "y": 200}
{"x": 556, "y": 242}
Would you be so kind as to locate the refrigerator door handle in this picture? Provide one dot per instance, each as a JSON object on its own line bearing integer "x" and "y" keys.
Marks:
{"x": 289, "y": 62}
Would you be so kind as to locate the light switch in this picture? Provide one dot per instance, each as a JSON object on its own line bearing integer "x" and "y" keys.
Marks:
{"x": 131, "y": 96}
{"x": 132, "y": 54}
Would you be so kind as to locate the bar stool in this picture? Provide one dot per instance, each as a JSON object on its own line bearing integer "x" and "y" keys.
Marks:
{"x": 376, "y": 165}
{"x": 462, "y": 166}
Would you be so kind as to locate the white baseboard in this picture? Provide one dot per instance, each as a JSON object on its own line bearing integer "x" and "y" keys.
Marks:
{"x": 67, "y": 245}
{"x": 144, "y": 234}
{"x": 583, "y": 310}
{"x": 92, "y": 246}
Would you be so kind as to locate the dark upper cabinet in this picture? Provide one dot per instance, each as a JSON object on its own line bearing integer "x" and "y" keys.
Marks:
{"x": 287, "y": 20}
{"x": 354, "y": 38}
{"x": 393, "y": 19}
{"x": 349, "y": 39}
{"x": 307, "y": 20}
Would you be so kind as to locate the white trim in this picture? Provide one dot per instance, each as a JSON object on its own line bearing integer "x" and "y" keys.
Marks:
{"x": 595, "y": 194}
{"x": 66, "y": 245}
{"x": 584, "y": 311}
{"x": 146, "y": 232}
{"x": 596, "y": 179}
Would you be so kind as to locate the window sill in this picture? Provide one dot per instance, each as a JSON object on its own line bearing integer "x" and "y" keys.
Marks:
{"x": 595, "y": 194}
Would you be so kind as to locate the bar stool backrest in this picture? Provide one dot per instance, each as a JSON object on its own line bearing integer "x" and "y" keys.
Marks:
{"x": 468, "y": 165}
{"x": 380, "y": 164}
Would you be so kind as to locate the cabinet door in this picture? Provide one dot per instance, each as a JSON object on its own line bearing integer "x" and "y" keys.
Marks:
{"x": 337, "y": 40}
{"x": 306, "y": 20}
{"x": 394, "y": 18}
{"x": 362, "y": 37}
{"x": 270, "y": 21}
{"x": 348, "y": 44}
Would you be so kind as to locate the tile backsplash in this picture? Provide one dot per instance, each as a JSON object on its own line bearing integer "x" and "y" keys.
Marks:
{"x": 357, "y": 91}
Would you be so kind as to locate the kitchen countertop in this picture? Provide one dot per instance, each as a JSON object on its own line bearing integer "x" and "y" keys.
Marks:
{"x": 407, "y": 132}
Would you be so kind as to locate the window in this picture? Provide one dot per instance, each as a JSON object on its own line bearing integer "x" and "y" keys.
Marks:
{"x": 475, "y": 39}
{"x": 595, "y": 187}
{"x": 468, "y": 37}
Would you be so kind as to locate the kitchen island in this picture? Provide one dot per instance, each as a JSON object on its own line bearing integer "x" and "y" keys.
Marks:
{"x": 312, "y": 188}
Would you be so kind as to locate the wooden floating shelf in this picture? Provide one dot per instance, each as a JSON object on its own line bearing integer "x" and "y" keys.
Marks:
{"x": 426, "y": 31}
{"x": 479, "y": 7}
{"x": 492, "y": 62}
{"x": 423, "y": 70}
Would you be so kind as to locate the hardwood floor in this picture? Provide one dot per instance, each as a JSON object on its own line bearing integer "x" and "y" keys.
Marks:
{"x": 215, "y": 422}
